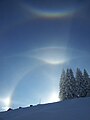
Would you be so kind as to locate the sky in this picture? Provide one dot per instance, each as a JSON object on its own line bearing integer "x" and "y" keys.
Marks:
{"x": 37, "y": 40}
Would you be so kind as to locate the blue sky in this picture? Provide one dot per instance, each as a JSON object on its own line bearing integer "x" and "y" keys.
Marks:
{"x": 37, "y": 40}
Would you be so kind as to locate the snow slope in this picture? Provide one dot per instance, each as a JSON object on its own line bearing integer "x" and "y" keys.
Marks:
{"x": 77, "y": 109}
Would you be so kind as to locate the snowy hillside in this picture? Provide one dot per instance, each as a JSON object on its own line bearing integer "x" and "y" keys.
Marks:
{"x": 77, "y": 109}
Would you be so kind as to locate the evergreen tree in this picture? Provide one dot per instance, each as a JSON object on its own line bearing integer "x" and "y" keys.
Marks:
{"x": 67, "y": 85}
{"x": 86, "y": 83}
{"x": 88, "y": 93}
{"x": 79, "y": 84}
{"x": 62, "y": 92}
{"x": 72, "y": 87}
{"x": 70, "y": 84}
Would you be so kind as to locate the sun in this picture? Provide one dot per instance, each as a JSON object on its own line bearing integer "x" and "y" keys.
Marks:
{"x": 53, "y": 97}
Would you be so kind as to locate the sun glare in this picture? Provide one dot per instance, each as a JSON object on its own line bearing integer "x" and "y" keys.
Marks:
{"x": 5, "y": 103}
{"x": 53, "y": 97}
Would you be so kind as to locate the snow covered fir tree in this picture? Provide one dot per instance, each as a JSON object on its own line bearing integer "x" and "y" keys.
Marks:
{"x": 74, "y": 86}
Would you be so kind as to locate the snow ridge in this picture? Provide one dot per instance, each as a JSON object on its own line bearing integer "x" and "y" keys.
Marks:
{"x": 75, "y": 109}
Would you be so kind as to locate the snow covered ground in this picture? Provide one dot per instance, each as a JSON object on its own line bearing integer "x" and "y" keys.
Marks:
{"x": 77, "y": 109}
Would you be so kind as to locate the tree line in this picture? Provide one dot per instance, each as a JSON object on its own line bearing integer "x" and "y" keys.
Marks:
{"x": 74, "y": 86}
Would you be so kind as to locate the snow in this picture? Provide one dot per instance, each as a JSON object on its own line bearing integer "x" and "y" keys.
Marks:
{"x": 75, "y": 109}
